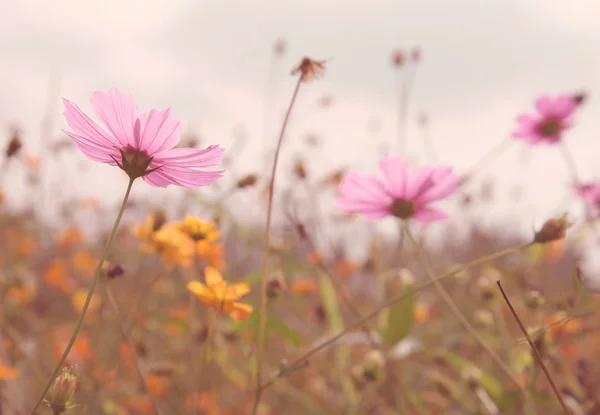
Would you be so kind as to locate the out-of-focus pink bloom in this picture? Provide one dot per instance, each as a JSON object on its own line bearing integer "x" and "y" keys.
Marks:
{"x": 140, "y": 144}
{"x": 590, "y": 193}
{"x": 553, "y": 117}
{"x": 398, "y": 192}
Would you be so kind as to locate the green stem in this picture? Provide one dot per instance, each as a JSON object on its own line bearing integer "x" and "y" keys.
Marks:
{"x": 263, "y": 278}
{"x": 460, "y": 316}
{"x": 301, "y": 361}
{"x": 79, "y": 323}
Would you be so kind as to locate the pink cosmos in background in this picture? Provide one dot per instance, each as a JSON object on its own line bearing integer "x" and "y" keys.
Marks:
{"x": 547, "y": 125}
{"x": 141, "y": 144}
{"x": 399, "y": 192}
{"x": 590, "y": 193}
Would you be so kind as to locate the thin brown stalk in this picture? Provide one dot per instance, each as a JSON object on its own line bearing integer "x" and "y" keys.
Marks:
{"x": 265, "y": 270}
{"x": 115, "y": 307}
{"x": 301, "y": 361}
{"x": 404, "y": 86}
{"x": 535, "y": 351}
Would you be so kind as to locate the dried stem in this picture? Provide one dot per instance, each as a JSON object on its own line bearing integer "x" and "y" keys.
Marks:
{"x": 535, "y": 351}
{"x": 404, "y": 86}
{"x": 494, "y": 153}
{"x": 265, "y": 270}
{"x": 88, "y": 298}
{"x": 113, "y": 303}
{"x": 302, "y": 360}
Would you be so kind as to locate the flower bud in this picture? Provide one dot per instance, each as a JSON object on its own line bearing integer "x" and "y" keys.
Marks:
{"x": 554, "y": 229}
{"x": 61, "y": 392}
{"x": 14, "y": 145}
{"x": 309, "y": 69}
{"x": 534, "y": 300}
{"x": 275, "y": 285}
{"x": 300, "y": 169}
{"x": 247, "y": 181}
{"x": 398, "y": 57}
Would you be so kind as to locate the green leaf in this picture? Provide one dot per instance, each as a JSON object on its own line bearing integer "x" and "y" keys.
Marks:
{"x": 488, "y": 381}
{"x": 399, "y": 320}
{"x": 330, "y": 303}
{"x": 287, "y": 332}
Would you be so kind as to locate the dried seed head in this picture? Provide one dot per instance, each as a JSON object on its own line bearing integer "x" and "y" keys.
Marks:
{"x": 300, "y": 169}
{"x": 309, "y": 69}
{"x": 553, "y": 230}
{"x": 398, "y": 57}
{"x": 472, "y": 376}
{"x": 279, "y": 47}
{"x": 580, "y": 98}
{"x": 15, "y": 144}
{"x": 60, "y": 394}
{"x": 247, "y": 181}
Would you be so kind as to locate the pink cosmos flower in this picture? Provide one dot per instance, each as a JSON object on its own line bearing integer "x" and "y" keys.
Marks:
{"x": 398, "y": 192}
{"x": 590, "y": 193}
{"x": 547, "y": 125}
{"x": 140, "y": 144}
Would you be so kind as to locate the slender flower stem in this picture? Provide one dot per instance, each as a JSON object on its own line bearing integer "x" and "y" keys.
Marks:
{"x": 116, "y": 310}
{"x": 86, "y": 304}
{"x": 265, "y": 270}
{"x": 458, "y": 314}
{"x": 207, "y": 354}
{"x": 193, "y": 360}
{"x": 302, "y": 361}
{"x": 404, "y": 86}
{"x": 535, "y": 351}
{"x": 494, "y": 153}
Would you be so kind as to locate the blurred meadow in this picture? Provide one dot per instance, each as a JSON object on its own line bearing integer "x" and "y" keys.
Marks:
{"x": 336, "y": 288}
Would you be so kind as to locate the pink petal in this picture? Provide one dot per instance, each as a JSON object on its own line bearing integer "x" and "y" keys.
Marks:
{"x": 427, "y": 215}
{"x": 84, "y": 127}
{"x": 119, "y": 113}
{"x": 190, "y": 157}
{"x": 395, "y": 176}
{"x": 359, "y": 187}
{"x": 91, "y": 150}
{"x": 419, "y": 182}
{"x": 445, "y": 183}
{"x": 369, "y": 209}
{"x": 564, "y": 106}
{"x": 544, "y": 105}
{"x": 181, "y": 176}
{"x": 157, "y": 131}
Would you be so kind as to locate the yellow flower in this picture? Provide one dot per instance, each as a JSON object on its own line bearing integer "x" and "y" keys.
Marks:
{"x": 221, "y": 296}
{"x": 198, "y": 230}
{"x": 172, "y": 245}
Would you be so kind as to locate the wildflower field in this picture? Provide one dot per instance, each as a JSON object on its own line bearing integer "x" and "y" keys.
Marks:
{"x": 187, "y": 308}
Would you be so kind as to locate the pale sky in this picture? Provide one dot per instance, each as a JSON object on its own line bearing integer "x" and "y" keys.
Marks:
{"x": 483, "y": 63}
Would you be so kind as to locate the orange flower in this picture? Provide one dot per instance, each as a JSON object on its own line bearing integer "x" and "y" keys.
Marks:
{"x": 82, "y": 348}
{"x": 20, "y": 293}
{"x": 305, "y": 286}
{"x": 70, "y": 237}
{"x": 221, "y": 296}
{"x": 7, "y": 372}
{"x": 157, "y": 385}
{"x": 206, "y": 402}
{"x": 56, "y": 276}
{"x": 140, "y": 405}
{"x": 345, "y": 268}
{"x": 554, "y": 251}
{"x": 84, "y": 262}
{"x": 26, "y": 245}
{"x": 315, "y": 258}
{"x": 562, "y": 326}
{"x": 422, "y": 312}
{"x": 2, "y": 197}
{"x": 78, "y": 300}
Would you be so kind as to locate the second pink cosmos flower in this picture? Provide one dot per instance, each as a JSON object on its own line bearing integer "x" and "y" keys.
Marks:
{"x": 140, "y": 144}
{"x": 398, "y": 192}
